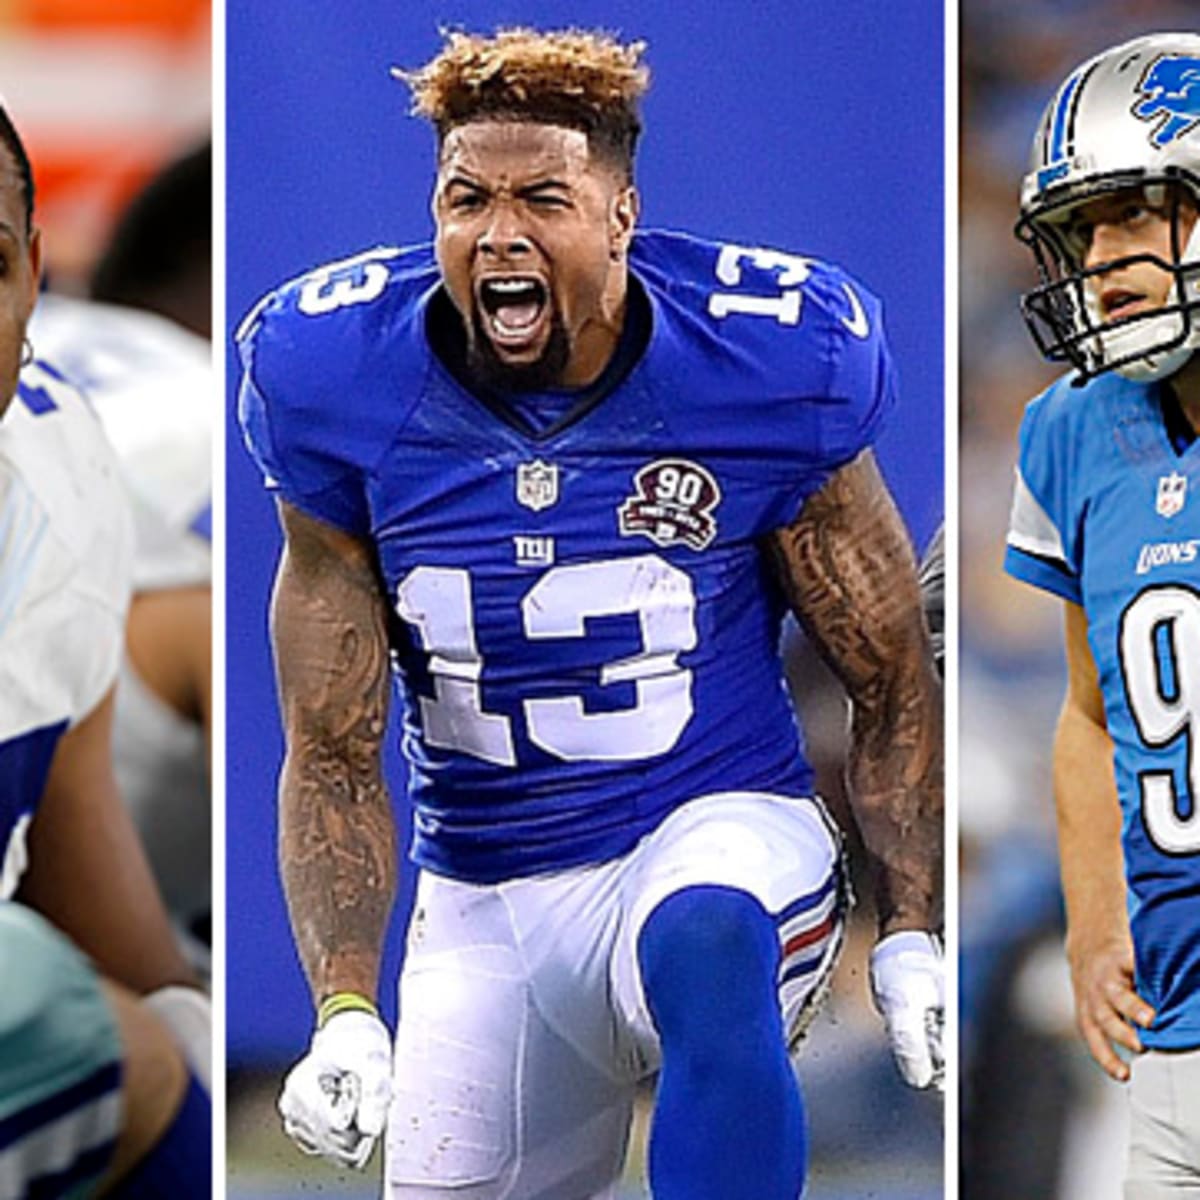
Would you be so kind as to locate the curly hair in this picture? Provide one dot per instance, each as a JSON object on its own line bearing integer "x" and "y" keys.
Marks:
{"x": 574, "y": 78}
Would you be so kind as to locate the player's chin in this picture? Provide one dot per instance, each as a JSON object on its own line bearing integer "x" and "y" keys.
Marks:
{"x": 520, "y": 365}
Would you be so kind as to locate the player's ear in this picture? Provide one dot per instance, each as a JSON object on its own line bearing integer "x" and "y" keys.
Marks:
{"x": 623, "y": 215}
{"x": 35, "y": 267}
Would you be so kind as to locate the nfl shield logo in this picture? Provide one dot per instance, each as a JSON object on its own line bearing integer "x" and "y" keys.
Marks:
{"x": 1172, "y": 490}
{"x": 537, "y": 484}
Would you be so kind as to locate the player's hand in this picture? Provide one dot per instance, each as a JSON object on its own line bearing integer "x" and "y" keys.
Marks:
{"x": 335, "y": 1099}
{"x": 908, "y": 985}
{"x": 1107, "y": 1009}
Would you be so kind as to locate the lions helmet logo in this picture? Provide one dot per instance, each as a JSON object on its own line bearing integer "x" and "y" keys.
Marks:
{"x": 1171, "y": 87}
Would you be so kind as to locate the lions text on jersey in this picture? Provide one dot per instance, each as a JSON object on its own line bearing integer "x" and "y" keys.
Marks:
{"x": 65, "y": 560}
{"x": 1107, "y": 515}
{"x": 586, "y": 633}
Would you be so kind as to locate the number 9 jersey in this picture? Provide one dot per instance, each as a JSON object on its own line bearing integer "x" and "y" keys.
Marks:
{"x": 585, "y": 631}
{"x": 1107, "y": 514}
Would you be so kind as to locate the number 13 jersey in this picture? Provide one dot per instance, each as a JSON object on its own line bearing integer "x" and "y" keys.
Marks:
{"x": 1107, "y": 514}
{"x": 585, "y": 630}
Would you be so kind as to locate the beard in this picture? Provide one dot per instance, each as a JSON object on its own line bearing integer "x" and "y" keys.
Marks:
{"x": 495, "y": 375}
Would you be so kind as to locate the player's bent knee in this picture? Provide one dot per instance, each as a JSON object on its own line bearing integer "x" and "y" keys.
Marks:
{"x": 705, "y": 951}
{"x": 154, "y": 1081}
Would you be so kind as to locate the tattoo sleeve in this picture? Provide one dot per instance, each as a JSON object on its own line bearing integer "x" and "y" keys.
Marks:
{"x": 336, "y": 827}
{"x": 849, "y": 574}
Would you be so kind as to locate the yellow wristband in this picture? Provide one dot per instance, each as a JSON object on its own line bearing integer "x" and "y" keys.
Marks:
{"x": 341, "y": 1002}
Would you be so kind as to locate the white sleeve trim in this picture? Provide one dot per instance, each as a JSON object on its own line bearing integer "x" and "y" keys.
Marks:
{"x": 1030, "y": 527}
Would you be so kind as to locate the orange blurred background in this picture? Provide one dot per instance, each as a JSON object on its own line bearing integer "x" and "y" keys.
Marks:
{"x": 104, "y": 92}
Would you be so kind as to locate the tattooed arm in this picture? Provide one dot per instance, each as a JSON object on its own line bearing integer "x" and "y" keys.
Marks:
{"x": 848, "y": 572}
{"x": 337, "y": 832}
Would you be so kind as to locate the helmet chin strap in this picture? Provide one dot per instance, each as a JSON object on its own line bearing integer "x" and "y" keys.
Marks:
{"x": 1154, "y": 367}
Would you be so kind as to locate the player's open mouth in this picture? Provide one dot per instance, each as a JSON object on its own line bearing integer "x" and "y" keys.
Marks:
{"x": 1117, "y": 302}
{"x": 513, "y": 307}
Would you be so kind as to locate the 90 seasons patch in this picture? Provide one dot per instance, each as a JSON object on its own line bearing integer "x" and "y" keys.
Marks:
{"x": 673, "y": 503}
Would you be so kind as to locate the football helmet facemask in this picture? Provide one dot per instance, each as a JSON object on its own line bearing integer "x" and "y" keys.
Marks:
{"x": 1128, "y": 119}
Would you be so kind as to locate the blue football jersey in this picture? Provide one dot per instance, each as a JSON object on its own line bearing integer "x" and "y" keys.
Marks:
{"x": 1107, "y": 515}
{"x": 587, "y": 633}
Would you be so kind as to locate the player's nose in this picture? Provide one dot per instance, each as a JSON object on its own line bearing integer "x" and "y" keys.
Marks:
{"x": 1105, "y": 244}
{"x": 503, "y": 236}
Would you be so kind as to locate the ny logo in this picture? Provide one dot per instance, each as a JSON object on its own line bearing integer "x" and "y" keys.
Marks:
{"x": 533, "y": 551}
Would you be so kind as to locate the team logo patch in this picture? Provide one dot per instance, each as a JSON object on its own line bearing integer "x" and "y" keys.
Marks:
{"x": 1172, "y": 491}
{"x": 1171, "y": 87}
{"x": 533, "y": 550}
{"x": 537, "y": 484}
{"x": 673, "y": 502}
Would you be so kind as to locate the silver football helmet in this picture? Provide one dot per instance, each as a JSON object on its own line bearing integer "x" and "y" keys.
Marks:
{"x": 1128, "y": 118}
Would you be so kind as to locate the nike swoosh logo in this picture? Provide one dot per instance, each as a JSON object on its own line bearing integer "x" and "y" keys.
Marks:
{"x": 856, "y": 323}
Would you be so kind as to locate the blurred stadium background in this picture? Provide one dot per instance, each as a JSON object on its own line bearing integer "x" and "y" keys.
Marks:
{"x": 105, "y": 92}
{"x": 779, "y": 126}
{"x": 1037, "y": 1117}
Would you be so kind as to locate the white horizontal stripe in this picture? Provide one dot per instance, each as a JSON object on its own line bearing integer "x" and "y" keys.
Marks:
{"x": 55, "y": 1146}
{"x": 809, "y": 918}
{"x": 75, "y": 87}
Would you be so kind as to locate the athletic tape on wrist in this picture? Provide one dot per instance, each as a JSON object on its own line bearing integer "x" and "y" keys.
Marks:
{"x": 341, "y": 1002}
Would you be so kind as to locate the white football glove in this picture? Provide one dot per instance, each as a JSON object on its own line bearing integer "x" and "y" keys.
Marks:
{"x": 335, "y": 1099}
{"x": 187, "y": 1013}
{"x": 908, "y": 985}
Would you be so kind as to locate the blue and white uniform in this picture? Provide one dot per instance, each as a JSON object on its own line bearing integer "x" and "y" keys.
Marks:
{"x": 65, "y": 560}
{"x": 586, "y": 637}
{"x": 1107, "y": 515}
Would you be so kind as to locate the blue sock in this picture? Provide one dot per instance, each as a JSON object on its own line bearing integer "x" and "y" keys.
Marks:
{"x": 728, "y": 1119}
{"x": 179, "y": 1165}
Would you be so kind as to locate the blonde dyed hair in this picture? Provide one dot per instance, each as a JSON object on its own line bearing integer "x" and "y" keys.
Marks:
{"x": 576, "y": 78}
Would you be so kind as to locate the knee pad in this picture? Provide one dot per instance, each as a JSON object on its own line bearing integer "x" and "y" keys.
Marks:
{"x": 706, "y": 951}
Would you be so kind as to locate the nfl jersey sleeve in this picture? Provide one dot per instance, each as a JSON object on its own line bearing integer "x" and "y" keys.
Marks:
{"x": 65, "y": 564}
{"x": 310, "y": 362}
{"x": 1044, "y": 538}
{"x": 787, "y": 346}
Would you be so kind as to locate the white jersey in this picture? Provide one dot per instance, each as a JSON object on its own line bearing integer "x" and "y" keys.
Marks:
{"x": 151, "y": 381}
{"x": 65, "y": 563}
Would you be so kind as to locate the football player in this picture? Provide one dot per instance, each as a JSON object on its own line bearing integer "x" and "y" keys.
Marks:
{"x": 95, "y": 1088}
{"x": 570, "y": 476}
{"x": 1106, "y": 515}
